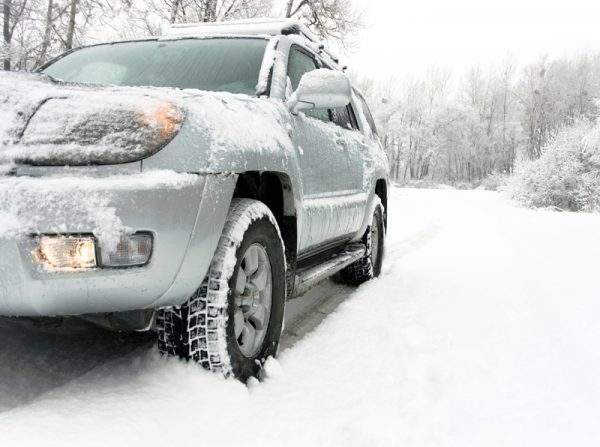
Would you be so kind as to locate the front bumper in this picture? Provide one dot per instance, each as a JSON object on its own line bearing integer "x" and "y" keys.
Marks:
{"x": 183, "y": 246}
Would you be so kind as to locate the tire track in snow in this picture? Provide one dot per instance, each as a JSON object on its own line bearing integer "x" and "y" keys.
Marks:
{"x": 305, "y": 314}
{"x": 397, "y": 250}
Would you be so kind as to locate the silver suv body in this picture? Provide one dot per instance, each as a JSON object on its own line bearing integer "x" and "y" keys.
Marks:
{"x": 138, "y": 209}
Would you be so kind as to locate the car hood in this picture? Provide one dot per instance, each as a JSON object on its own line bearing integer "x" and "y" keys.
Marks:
{"x": 213, "y": 121}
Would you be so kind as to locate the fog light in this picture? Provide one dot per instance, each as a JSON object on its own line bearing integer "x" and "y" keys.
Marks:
{"x": 131, "y": 251}
{"x": 67, "y": 252}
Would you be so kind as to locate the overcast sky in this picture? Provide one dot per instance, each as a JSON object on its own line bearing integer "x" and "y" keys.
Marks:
{"x": 407, "y": 37}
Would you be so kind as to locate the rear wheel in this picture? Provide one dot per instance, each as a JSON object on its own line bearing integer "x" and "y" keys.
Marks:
{"x": 369, "y": 266}
{"x": 233, "y": 322}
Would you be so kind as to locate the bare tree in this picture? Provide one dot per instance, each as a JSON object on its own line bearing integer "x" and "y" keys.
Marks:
{"x": 6, "y": 10}
{"x": 174, "y": 11}
{"x": 71, "y": 26}
{"x": 337, "y": 19}
{"x": 214, "y": 10}
{"x": 47, "y": 33}
{"x": 12, "y": 12}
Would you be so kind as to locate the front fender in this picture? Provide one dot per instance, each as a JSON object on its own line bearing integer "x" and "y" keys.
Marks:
{"x": 210, "y": 220}
{"x": 229, "y": 133}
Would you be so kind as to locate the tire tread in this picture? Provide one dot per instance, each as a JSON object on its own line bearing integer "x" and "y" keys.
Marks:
{"x": 196, "y": 330}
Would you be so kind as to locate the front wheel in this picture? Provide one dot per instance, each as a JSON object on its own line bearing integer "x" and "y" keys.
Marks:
{"x": 369, "y": 266}
{"x": 233, "y": 322}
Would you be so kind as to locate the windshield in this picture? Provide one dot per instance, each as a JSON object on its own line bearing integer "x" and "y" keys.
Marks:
{"x": 222, "y": 65}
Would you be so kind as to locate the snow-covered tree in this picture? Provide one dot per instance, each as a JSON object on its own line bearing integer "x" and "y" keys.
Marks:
{"x": 567, "y": 175}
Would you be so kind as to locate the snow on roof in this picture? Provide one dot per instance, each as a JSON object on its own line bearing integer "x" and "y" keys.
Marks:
{"x": 269, "y": 27}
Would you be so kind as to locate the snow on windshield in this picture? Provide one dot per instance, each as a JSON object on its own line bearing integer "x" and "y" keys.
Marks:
{"x": 221, "y": 124}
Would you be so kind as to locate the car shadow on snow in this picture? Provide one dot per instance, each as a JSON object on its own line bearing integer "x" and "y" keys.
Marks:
{"x": 36, "y": 359}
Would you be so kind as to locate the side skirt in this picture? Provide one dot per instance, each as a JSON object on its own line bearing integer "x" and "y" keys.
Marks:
{"x": 309, "y": 276}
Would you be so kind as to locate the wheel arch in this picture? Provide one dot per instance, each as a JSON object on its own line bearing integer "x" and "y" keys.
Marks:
{"x": 382, "y": 192}
{"x": 275, "y": 190}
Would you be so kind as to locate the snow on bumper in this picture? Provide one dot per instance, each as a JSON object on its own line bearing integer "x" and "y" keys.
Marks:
{"x": 163, "y": 203}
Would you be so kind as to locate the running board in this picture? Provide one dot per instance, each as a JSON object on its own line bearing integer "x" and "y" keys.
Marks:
{"x": 310, "y": 277}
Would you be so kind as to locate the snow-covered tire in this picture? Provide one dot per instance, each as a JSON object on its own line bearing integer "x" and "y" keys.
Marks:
{"x": 206, "y": 329}
{"x": 369, "y": 266}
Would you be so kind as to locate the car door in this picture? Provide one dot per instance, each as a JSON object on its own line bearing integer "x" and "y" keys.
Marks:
{"x": 330, "y": 162}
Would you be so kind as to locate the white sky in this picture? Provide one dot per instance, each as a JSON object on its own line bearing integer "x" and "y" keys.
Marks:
{"x": 405, "y": 38}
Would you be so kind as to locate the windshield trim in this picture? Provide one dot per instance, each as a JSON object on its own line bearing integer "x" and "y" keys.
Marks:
{"x": 42, "y": 68}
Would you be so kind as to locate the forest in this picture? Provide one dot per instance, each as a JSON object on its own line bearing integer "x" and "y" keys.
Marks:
{"x": 463, "y": 129}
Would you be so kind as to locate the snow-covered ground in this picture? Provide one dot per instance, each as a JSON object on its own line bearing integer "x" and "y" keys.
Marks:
{"x": 482, "y": 331}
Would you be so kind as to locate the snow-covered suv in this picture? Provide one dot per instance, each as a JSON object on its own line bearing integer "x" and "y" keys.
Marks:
{"x": 191, "y": 184}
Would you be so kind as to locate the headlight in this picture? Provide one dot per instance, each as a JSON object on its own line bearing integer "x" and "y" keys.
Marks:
{"x": 66, "y": 252}
{"x": 71, "y": 131}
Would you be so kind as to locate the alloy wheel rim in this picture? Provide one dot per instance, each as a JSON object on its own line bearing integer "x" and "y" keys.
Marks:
{"x": 253, "y": 297}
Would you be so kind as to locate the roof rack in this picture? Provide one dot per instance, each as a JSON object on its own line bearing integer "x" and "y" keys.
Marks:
{"x": 250, "y": 27}
{"x": 270, "y": 27}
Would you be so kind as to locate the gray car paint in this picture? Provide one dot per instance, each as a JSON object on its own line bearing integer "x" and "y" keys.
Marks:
{"x": 330, "y": 173}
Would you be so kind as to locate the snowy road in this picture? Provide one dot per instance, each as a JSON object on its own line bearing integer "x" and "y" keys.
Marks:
{"x": 482, "y": 331}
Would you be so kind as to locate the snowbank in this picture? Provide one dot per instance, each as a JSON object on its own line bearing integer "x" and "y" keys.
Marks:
{"x": 566, "y": 176}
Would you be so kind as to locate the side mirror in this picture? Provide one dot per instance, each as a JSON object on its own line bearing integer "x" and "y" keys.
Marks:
{"x": 321, "y": 89}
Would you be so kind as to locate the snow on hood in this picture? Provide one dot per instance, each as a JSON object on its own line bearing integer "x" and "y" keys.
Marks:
{"x": 219, "y": 122}
{"x": 41, "y": 120}
{"x": 36, "y": 113}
